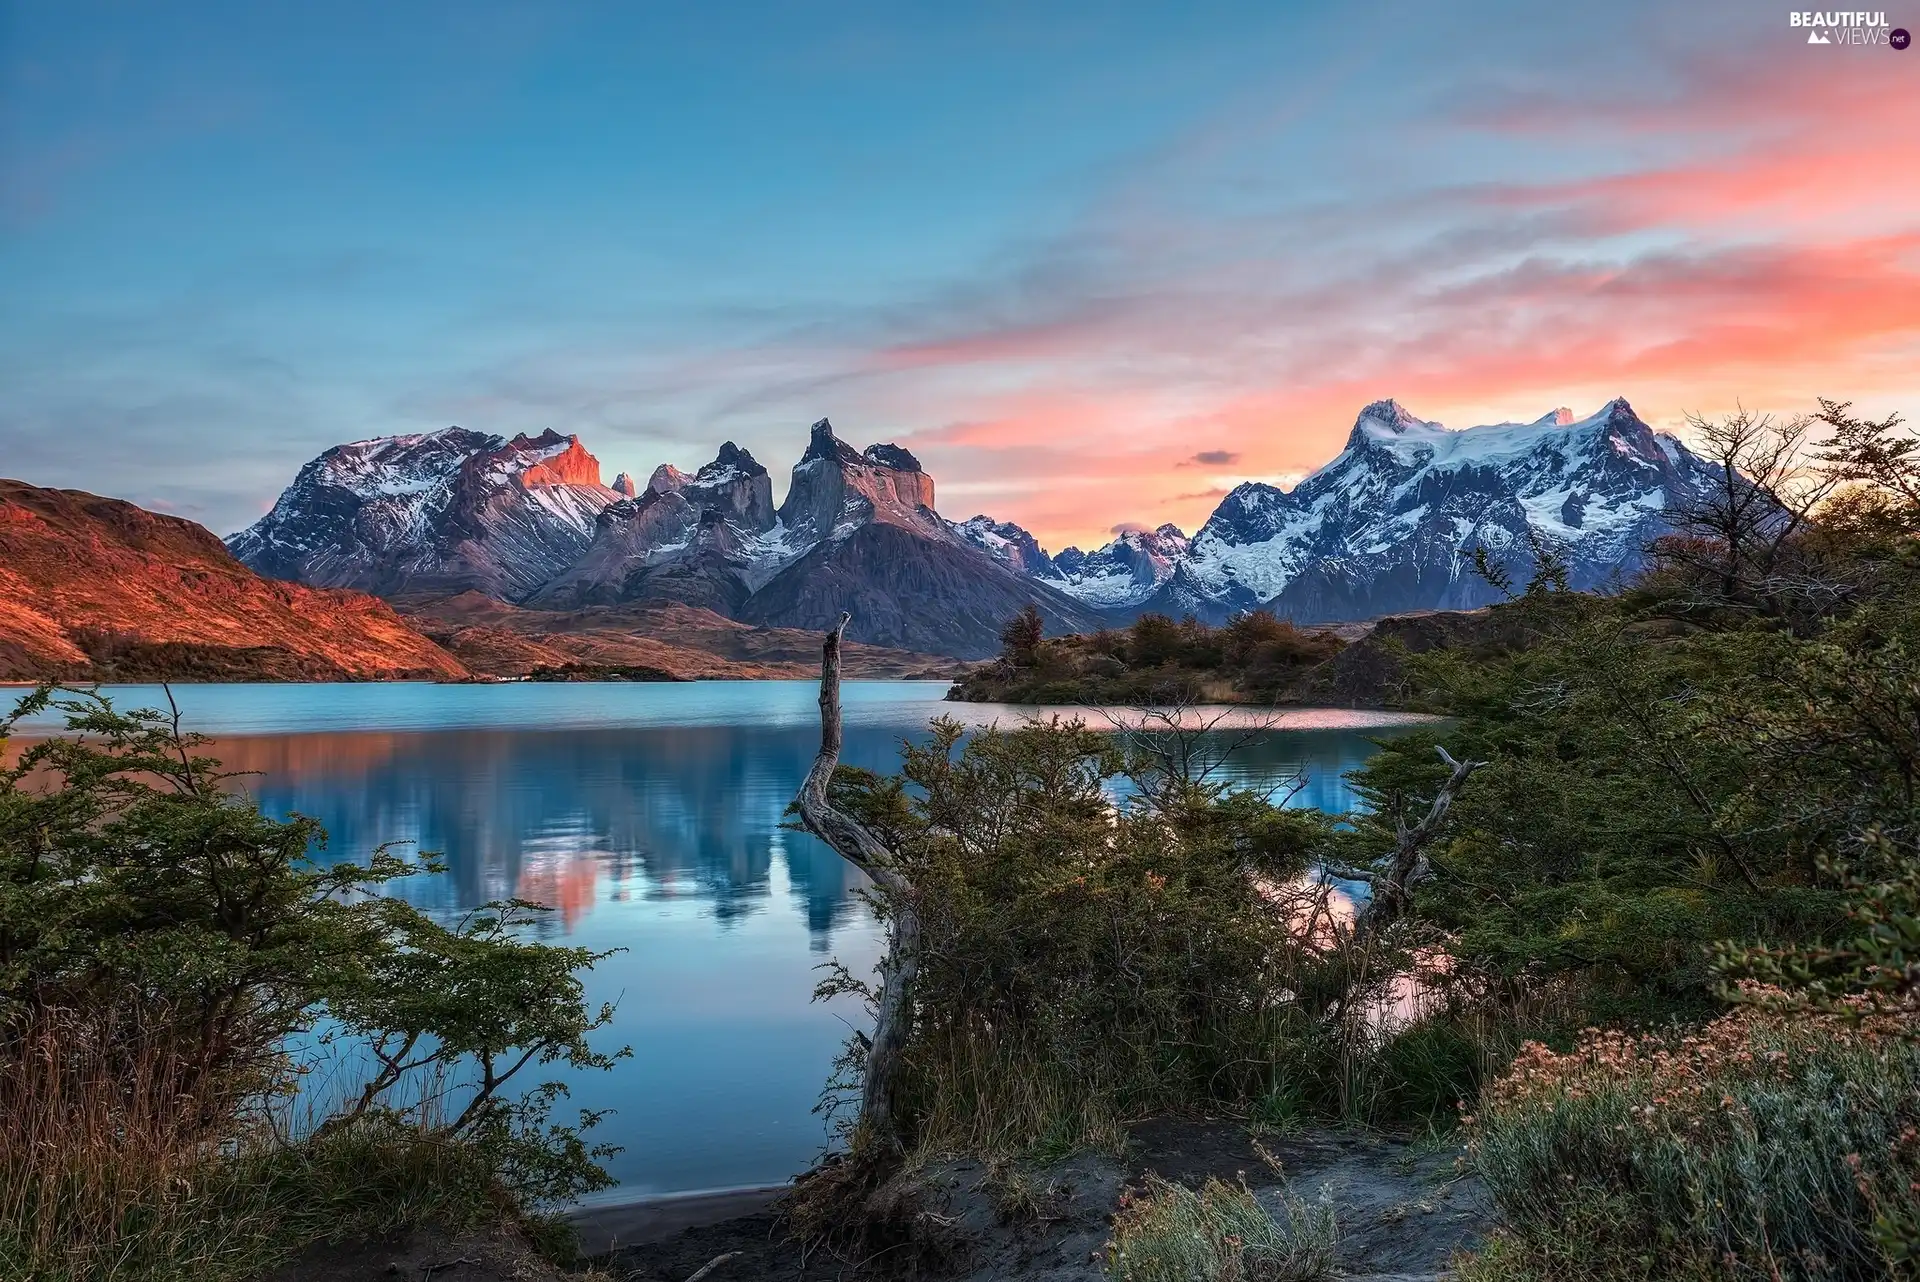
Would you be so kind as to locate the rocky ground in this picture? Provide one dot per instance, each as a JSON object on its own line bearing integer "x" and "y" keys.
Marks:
{"x": 1404, "y": 1211}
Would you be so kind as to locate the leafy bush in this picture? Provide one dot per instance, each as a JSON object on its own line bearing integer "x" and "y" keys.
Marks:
{"x": 1752, "y": 1148}
{"x": 164, "y": 945}
{"x": 1219, "y": 1234}
{"x": 1083, "y": 959}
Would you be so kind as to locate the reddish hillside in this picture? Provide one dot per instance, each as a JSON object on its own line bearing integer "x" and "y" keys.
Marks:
{"x": 98, "y": 588}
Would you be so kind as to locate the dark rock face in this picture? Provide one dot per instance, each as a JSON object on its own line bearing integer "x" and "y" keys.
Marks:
{"x": 837, "y": 489}
{"x": 437, "y": 512}
{"x": 860, "y": 534}
{"x": 911, "y": 591}
{"x": 697, "y": 539}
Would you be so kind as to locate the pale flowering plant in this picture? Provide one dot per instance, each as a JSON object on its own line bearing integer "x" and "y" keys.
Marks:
{"x": 1755, "y": 1146}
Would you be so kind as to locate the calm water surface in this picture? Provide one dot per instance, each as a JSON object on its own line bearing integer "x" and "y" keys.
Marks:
{"x": 648, "y": 816}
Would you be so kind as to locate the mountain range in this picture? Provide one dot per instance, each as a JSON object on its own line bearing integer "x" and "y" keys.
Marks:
{"x": 1388, "y": 526}
{"x": 1391, "y": 523}
{"x": 528, "y": 521}
{"x": 97, "y": 589}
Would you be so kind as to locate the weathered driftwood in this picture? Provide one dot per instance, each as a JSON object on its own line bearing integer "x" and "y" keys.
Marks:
{"x": 893, "y": 1021}
{"x": 1393, "y": 886}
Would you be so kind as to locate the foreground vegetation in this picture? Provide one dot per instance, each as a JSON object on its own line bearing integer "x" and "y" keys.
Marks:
{"x": 1750, "y": 1144}
{"x": 176, "y": 978}
{"x": 1684, "y": 818}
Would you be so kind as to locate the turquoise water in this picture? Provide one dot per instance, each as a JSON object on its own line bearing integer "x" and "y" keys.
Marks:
{"x": 648, "y": 816}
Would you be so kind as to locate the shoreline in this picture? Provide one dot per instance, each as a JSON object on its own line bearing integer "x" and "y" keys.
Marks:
{"x": 650, "y": 1217}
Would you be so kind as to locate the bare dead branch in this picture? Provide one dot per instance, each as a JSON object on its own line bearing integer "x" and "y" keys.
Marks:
{"x": 711, "y": 1265}
{"x": 854, "y": 842}
{"x": 1393, "y": 889}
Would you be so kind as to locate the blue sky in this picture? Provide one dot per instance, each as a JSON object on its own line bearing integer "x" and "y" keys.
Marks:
{"x": 1059, "y": 250}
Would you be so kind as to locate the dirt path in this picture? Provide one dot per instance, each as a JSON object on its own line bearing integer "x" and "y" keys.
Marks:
{"x": 1403, "y": 1212}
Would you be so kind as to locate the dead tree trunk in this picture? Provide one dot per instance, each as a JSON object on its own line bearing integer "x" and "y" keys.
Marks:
{"x": 854, "y": 842}
{"x": 1393, "y": 887}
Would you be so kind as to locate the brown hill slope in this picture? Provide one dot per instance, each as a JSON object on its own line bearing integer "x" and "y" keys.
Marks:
{"x": 689, "y": 641}
{"x": 96, "y": 588}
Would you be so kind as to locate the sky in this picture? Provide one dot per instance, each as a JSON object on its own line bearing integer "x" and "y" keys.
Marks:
{"x": 1094, "y": 263}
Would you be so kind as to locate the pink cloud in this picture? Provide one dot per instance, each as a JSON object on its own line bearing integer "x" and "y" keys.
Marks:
{"x": 1767, "y": 252}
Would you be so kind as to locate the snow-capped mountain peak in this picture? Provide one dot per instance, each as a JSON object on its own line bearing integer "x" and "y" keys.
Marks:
{"x": 1127, "y": 571}
{"x": 443, "y": 510}
{"x": 1388, "y": 417}
{"x": 1010, "y": 545}
{"x": 1391, "y": 522}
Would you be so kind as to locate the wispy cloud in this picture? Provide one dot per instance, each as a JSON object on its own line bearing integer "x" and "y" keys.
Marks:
{"x": 1685, "y": 210}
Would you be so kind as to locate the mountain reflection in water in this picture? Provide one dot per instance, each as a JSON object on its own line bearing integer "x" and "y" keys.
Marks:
{"x": 649, "y": 818}
{"x": 570, "y": 818}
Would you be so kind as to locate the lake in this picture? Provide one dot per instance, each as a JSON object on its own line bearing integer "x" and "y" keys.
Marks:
{"x": 649, "y": 817}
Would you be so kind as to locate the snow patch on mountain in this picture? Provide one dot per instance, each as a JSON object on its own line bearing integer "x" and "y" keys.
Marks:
{"x": 1126, "y": 571}
{"x": 1390, "y": 523}
{"x": 1010, "y": 545}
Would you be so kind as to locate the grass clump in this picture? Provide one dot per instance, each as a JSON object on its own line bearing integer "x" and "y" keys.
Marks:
{"x": 1754, "y": 1147}
{"x": 1170, "y": 1233}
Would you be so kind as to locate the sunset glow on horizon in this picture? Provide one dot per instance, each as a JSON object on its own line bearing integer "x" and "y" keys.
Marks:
{"x": 1093, "y": 267}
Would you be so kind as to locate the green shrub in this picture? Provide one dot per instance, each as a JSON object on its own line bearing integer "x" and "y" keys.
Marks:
{"x": 1083, "y": 960}
{"x": 1219, "y": 1234}
{"x": 164, "y": 946}
{"x": 1420, "y": 1075}
{"x": 1752, "y": 1148}
{"x": 1254, "y": 658}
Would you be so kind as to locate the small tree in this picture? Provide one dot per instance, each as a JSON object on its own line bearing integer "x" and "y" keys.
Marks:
{"x": 1020, "y": 639}
{"x": 1154, "y": 639}
{"x": 1870, "y": 451}
{"x": 1736, "y": 538}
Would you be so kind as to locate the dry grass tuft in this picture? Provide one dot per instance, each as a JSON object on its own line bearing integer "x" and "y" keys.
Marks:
{"x": 1219, "y": 1234}
{"x": 111, "y": 1151}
